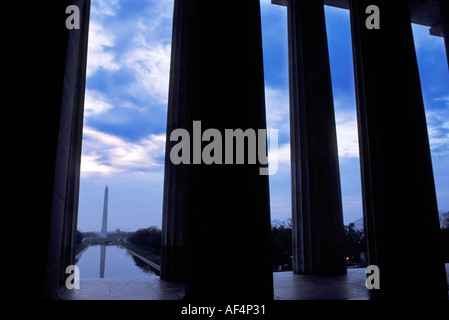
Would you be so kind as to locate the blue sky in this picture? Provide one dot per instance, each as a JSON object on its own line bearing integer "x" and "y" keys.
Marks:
{"x": 126, "y": 109}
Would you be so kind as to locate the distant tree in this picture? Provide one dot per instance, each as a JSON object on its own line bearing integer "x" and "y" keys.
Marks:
{"x": 79, "y": 237}
{"x": 148, "y": 238}
{"x": 281, "y": 244}
{"x": 89, "y": 235}
{"x": 354, "y": 243}
{"x": 284, "y": 223}
{"x": 444, "y": 220}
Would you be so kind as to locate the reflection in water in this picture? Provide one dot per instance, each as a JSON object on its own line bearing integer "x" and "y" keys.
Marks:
{"x": 102, "y": 260}
{"x": 119, "y": 264}
{"x": 145, "y": 267}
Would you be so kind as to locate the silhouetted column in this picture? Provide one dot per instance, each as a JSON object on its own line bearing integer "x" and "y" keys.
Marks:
{"x": 66, "y": 134}
{"x": 46, "y": 75}
{"x": 318, "y": 246}
{"x": 73, "y": 175}
{"x": 444, "y": 14}
{"x": 217, "y": 214}
{"x": 400, "y": 208}
{"x": 176, "y": 202}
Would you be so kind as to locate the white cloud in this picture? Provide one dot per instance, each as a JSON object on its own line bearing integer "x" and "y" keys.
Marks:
{"x": 151, "y": 67}
{"x": 445, "y": 99}
{"x": 138, "y": 44}
{"x": 107, "y": 154}
{"x": 346, "y": 123}
{"x": 95, "y": 103}
{"x": 100, "y": 54}
{"x": 149, "y": 53}
{"x": 91, "y": 164}
{"x": 277, "y": 113}
{"x": 438, "y": 129}
{"x": 156, "y": 21}
{"x": 277, "y": 108}
{"x": 104, "y": 7}
{"x": 283, "y": 154}
{"x": 347, "y": 134}
{"x": 105, "y": 108}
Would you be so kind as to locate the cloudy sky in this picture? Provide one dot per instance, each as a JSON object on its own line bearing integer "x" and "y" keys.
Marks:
{"x": 126, "y": 110}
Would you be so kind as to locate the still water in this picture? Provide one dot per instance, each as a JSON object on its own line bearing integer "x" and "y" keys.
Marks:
{"x": 112, "y": 261}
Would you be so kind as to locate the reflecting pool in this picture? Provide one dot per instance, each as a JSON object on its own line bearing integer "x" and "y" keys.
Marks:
{"x": 103, "y": 261}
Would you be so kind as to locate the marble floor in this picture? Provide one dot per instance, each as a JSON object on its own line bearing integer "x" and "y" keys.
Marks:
{"x": 290, "y": 286}
{"x": 151, "y": 288}
{"x": 287, "y": 286}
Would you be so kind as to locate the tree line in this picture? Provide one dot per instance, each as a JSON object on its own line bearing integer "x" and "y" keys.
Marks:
{"x": 281, "y": 242}
{"x": 147, "y": 238}
{"x": 354, "y": 244}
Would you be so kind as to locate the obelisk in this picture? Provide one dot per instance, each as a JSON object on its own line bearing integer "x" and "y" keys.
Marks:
{"x": 104, "y": 227}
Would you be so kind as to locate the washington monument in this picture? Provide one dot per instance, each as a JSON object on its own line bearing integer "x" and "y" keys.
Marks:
{"x": 104, "y": 227}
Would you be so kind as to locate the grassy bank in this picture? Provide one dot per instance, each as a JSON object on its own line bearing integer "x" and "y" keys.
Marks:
{"x": 80, "y": 247}
{"x": 148, "y": 254}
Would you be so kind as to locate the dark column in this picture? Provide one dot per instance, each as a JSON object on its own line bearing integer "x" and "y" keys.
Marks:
{"x": 219, "y": 213}
{"x": 316, "y": 195}
{"x": 78, "y": 58}
{"x": 400, "y": 209}
{"x": 176, "y": 202}
{"x": 62, "y": 221}
{"x": 444, "y": 15}
{"x": 46, "y": 92}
